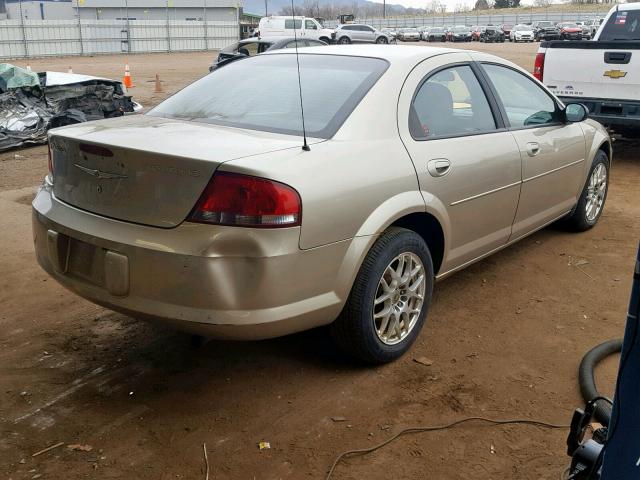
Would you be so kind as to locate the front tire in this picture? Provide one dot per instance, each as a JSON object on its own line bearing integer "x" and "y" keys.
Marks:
{"x": 382, "y": 40}
{"x": 344, "y": 40}
{"x": 389, "y": 300}
{"x": 592, "y": 199}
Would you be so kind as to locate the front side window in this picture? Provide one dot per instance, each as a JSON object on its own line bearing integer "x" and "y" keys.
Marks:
{"x": 261, "y": 93}
{"x": 451, "y": 102}
{"x": 289, "y": 24}
{"x": 526, "y": 104}
{"x": 310, "y": 25}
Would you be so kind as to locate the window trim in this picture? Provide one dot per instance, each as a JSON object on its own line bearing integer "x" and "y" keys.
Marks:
{"x": 503, "y": 110}
{"x": 493, "y": 105}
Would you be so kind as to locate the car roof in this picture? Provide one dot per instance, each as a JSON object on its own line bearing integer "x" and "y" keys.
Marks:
{"x": 394, "y": 54}
{"x": 627, "y": 6}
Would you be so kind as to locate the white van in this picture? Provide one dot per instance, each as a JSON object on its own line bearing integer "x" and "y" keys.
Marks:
{"x": 305, "y": 27}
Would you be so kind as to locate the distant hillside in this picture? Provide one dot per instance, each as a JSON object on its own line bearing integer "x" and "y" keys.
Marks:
{"x": 305, "y": 7}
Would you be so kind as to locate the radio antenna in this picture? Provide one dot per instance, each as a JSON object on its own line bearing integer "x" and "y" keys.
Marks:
{"x": 305, "y": 145}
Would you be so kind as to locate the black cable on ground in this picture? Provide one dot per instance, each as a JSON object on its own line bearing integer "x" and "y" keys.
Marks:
{"x": 587, "y": 381}
{"x": 364, "y": 451}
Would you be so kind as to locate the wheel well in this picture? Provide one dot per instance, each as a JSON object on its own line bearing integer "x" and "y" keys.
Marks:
{"x": 325, "y": 39}
{"x": 606, "y": 148}
{"x": 428, "y": 227}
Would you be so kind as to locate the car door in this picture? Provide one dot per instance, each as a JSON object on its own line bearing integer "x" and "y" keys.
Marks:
{"x": 368, "y": 34}
{"x": 552, "y": 150}
{"x": 310, "y": 28}
{"x": 357, "y": 34}
{"x": 468, "y": 164}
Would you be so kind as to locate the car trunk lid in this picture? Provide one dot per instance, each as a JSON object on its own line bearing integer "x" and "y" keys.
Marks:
{"x": 144, "y": 169}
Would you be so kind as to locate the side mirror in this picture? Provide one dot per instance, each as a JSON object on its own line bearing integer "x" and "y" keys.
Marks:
{"x": 575, "y": 112}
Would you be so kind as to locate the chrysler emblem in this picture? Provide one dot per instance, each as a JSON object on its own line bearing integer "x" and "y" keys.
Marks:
{"x": 99, "y": 173}
{"x": 615, "y": 74}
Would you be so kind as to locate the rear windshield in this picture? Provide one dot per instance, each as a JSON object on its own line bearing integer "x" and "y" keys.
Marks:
{"x": 622, "y": 25}
{"x": 261, "y": 93}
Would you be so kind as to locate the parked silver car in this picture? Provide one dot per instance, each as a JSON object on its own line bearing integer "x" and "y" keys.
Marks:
{"x": 409, "y": 34}
{"x": 206, "y": 213}
{"x": 357, "y": 33}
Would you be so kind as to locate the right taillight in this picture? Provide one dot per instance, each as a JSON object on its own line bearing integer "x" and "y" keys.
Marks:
{"x": 538, "y": 67}
{"x": 247, "y": 201}
{"x": 50, "y": 161}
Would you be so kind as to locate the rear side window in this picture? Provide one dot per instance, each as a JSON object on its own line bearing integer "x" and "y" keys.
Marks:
{"x": 622, "y": 25}
{"x": 449, "y": 103}
{"x": 526, "y": 104}
{"x": 261, "y": 93}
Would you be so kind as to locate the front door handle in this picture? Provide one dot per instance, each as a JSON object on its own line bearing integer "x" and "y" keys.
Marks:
{"x": 533, "y": 149}
{"x": 438, "y": 167}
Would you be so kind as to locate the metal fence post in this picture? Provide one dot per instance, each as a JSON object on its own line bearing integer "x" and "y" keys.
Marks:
{"x": 168, "y": 28}
{"x": 80, "y": 29}
{"x": 24, "y": 33}
{"x": 204, "y": 24}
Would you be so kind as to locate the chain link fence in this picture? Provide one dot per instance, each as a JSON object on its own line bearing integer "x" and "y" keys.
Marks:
{"x": 41, "y": 38}
{"x": 477, "y": 19}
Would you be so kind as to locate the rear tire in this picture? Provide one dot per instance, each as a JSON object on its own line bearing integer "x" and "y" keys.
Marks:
{"x": 385, "y": 310}
{"x": 592, "y": 199}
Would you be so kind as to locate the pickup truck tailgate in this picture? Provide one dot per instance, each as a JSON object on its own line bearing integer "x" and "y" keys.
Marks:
{"x": 606, "y": 70}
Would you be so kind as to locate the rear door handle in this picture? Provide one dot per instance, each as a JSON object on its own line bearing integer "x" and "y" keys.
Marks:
{"x": 533, "y": 149}
{"x": 438, "y": 167}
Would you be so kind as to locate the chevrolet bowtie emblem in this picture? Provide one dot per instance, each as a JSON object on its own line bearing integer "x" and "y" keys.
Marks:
{"x": 98, "y": 173}
{"x": 615, "y": 74}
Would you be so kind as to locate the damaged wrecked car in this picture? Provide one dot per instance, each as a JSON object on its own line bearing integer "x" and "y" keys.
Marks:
{"x": 31, "y": 103}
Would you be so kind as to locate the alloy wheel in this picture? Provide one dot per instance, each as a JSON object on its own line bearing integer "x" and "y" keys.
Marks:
{"x": 596, "y": 192}
{"x": 399, "y": 298}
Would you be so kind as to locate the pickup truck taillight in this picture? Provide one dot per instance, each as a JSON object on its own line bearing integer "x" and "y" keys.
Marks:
{"x": 50, "y": 161}
{"x": 246, "y": 201}
{"x": 538, "y": 67}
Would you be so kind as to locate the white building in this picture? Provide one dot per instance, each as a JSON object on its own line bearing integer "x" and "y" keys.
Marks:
{"x": 38, "y": 10}
{"x": 158, "y": 9}
{"x": 121, "y": 9}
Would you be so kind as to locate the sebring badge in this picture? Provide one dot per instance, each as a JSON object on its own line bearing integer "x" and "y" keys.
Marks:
{"x": 99, "y": 174}
{"x": 615, "y": 74}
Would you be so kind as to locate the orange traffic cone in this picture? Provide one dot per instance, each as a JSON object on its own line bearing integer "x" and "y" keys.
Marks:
{"x": 158, "y": 88}
{"x": 128, "y": 82}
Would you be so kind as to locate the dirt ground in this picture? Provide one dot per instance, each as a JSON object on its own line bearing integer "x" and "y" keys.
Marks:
{"x": 505, "y": 337}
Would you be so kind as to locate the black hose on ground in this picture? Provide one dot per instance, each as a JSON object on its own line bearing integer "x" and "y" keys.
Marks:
{"x": 587, "y": 380}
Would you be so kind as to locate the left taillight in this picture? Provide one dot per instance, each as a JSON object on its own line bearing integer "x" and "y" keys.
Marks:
{"x": 247, "y": 201}
{"x": 538, "y": 67}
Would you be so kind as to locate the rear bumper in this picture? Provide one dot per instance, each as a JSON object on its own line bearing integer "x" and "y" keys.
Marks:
{"x": 610, "y": 112}
{"x": 224, "y": 282}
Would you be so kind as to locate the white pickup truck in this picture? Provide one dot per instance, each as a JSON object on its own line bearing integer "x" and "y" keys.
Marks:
{"x": 603, "y": 73}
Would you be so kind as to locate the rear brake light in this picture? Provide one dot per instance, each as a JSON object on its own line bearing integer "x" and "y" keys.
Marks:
{"x": 246, "y": 201}
{"x": 538, "y": 67}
